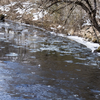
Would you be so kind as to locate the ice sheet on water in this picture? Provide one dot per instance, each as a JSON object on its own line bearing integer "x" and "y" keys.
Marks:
{"x": 6, "y": 41}
{"x": 80, "y": 58}
{"x": 17, "y": 46}
{"x": 95, "y": 91}
{"x": 34, "y": 50}
{"x": 12, "y": 54}
{"x": 79, "y": 63}
{"x": 2, "y": 39}
{"x": 4, "y": 24}
{"x": 33, "y": 57}
{"x": 25, "y": 31}
{"x": 2, "y": 33}
{"x": 98, "y": 54}
{"x": 69, "y": 61}
{"x": 94, "y": 64}
{"x": 50, "y": 48}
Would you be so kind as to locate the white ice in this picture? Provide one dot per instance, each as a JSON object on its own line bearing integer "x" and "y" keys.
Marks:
{"x": 90, "y": 45}
{"x": 12, "y": 54}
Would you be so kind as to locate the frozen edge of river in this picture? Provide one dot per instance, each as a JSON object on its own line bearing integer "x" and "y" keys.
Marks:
{"x": 92, "y": 46}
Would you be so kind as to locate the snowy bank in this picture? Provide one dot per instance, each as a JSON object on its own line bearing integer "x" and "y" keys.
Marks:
{"x": 90, "y": 45}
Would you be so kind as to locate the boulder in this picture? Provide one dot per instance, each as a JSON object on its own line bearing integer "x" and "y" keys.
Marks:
{"x": 2, "y": 18}
{"x": 97, "y": 50}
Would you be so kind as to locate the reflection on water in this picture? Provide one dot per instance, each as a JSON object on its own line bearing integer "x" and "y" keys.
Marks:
{"x": 36, "y": 65}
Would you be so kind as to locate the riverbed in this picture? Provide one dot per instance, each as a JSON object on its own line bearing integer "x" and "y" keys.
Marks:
{"x": 38, "y": 65}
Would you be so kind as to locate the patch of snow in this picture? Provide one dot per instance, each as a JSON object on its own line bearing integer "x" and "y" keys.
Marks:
{"x": 25, "y": 4}
{"x": 19, "y": 16}
{"x": 2, "y": 8}
{"x": 11, "y": 4}
{"x": 62, "y": 35}
{"x": 53, "y": 28}
{"x": 29, "y": 10}
{"x": 59, "y": 26}
{"x": 59, "y": 34}
{"x": 87, "y": 23}
{"x": 39, "y": 15}
{"x": 53, "y": 33}
{"x": 7, "y": 7}
{"x": 97, "y": 16}
{"x": 20, "y": 11}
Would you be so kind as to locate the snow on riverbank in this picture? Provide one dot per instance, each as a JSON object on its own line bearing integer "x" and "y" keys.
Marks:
{"x": 39, "y": 15}
{"x": 21, "y": 8}
{"x": 6, "y": 8}
{"x": 90, "y": 45}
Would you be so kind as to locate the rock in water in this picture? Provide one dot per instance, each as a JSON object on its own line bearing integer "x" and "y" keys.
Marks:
{"x": 2, "y": 17}
{"x": 97, "y": 50}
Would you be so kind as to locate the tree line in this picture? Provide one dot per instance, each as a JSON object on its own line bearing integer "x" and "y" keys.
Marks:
{"x": 90, "y": 7}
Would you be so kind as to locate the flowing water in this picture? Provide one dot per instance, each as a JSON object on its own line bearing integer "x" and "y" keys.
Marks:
{"x": 37, "y": 65}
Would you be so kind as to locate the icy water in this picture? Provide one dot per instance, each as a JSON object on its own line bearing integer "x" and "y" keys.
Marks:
{"x": 37, "y": 65}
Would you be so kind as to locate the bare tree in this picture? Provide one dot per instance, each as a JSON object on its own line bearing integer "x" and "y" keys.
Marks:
{"x": 89, "y": 6}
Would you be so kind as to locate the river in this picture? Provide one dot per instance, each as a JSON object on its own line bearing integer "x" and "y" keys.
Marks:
{"x": 38, "y": 65}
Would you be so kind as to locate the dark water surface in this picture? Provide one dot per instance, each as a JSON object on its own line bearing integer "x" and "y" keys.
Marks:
{"x": 37, "y": 65}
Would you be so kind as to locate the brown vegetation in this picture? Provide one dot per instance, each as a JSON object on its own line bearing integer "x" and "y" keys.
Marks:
{"x": 74, "y": 10}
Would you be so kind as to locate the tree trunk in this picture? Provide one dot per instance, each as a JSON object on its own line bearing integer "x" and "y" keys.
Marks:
{"x": 95, "y": 25}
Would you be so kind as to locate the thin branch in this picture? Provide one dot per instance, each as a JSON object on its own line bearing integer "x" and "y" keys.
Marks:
{"x": 89, "y": 5}
{"x": 58, "y": 9}
{"x": 52, "y": 4}
{"x": 71, "y": 10}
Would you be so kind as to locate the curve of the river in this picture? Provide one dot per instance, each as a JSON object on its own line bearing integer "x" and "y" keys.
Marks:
{"x": 37, "y": 65}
